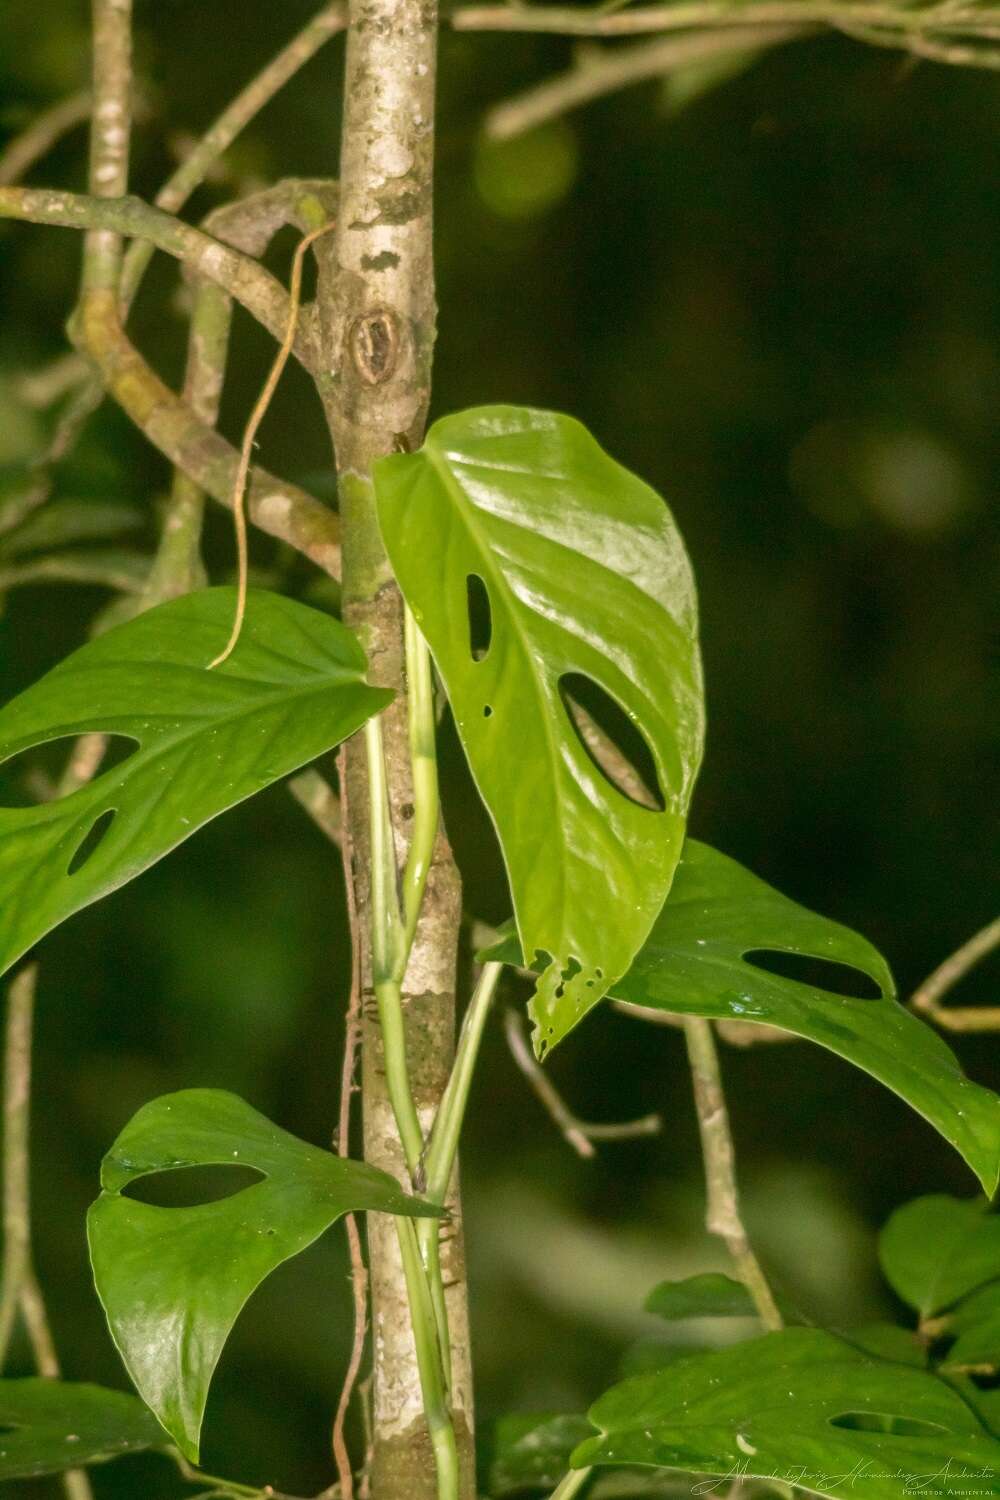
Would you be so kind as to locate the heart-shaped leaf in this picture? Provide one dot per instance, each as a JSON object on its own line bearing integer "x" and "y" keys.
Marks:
{"x": 47, "y": 1426}
{"x": 937, "y": 1249}
{"x": 584, "y": 574}
{"x": 803, "y": 1408}
{"x": 173, "y": 1280}
{"x": 711, "y": 1295}
{"x": 293, "y": 688}
{"x": 698, "y": 961}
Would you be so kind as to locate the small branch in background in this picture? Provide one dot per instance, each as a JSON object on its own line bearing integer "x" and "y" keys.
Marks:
{"x": 21, "y": 154}
{"x": 722, "y": 1215}
{"x": 315, "y": 794}
{"x": 926, "y": 1000}
{"x": 598, "y": 72}
{"x": 580, "y": 1134}
{"x": 736, "y": 1033}
{"x": 84, "y": 762}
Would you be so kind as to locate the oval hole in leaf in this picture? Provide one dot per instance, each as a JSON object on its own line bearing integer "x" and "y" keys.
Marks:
{"x": 188, "y": 1187}
{"x": 33, "y": 775}
{"x": 871, "y": 1421}
{"x": 94, "y": 838}
{"x": 817, "y": 973}
{"x": 612, "y": 740}
{"x": 480, "y": 617}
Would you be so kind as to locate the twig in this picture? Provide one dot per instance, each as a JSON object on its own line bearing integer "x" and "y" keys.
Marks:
{"x": 110, "y": 137}
{"x": 580, "y": 1134}
{"x": 722, "y": 1215}
{"x": 617, "y": 68}
{"x": 21, "y": 154}
{"x": 315, "y": 794}
{"x": 926, "y": 999}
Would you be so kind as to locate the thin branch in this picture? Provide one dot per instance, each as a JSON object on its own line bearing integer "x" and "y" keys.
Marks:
{"x": 580, "y": 1134}
{"x": 595, "y": 75}
{"x": 315, "y": 794}
{"x": 21, "y": 154}
{"x": 722, "y": 1216}
{"x": 110, "y": 136}
{"x": 926, "y": 999}
{"x": 736, "y": 1033}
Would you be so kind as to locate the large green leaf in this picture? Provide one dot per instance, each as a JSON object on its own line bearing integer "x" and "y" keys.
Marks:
{"x": 47, "y": 1426}
{"x": 937, "y": 1249}
{"x": 695, "y": 962}
{"x": 293, "y": 688}
{"x": 803, "y": 1407}
{"x": 585, "y": 574}
{"x": 173, "y": 1280}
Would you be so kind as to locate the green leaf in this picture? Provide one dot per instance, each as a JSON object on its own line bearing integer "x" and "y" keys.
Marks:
{"x": 803, "y": 1407}
{"x": 527, "y": 1452}
{"x": 61, "y": 522}
{"x": 54, "y": 1425}
{"x": 889, "y": 1341}
{"x": 935, "y": 1250}
{"x": 585, "y": 574}
{"x": 293, "y": 688}
{"x": 976, "y": 1324}
{"x": 173, "y": 1280}
{"x": 711, "y": 1295}
{"x": 695, "y": 963}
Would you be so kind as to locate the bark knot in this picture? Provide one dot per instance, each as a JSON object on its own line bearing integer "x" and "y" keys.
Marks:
{"x": 374, "y": 344}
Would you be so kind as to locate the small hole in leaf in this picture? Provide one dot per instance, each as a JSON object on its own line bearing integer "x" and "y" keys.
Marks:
{"x": 187, "y": 1187}
{"x": 817, "y": 973}
{"x": 613, "y": 742}
{"x": 480, "y": 617}
{"x": 34, "y": 775}
{"x": 94, "y": 838}
{"x": 874, "y": 1421}
{"x": 488, "y": 711}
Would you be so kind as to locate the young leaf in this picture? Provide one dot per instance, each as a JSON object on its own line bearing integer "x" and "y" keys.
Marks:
{"x": 710, "y": 1295}
{"x": 525, "y": 1452}
{"x": 976, "y": 1324}
{"x": 937, "y": 1249}
{"x": 293, "y": 689}
{"x": 173, "y": 1280}
{"x": 698, "y": 960}
{"x": 801, "y": 1407}
{"x": 584, "y": 573}
{"x": 47, "y": 1426}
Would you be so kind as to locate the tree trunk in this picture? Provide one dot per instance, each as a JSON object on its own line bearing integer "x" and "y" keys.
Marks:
{"x": 378, "y": 315}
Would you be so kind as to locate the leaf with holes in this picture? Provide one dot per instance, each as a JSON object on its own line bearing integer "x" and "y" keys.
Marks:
{"x": 711, "y": 1295}
{"x": 703, "y": 958}
{"x": 802, "y": 1407}
{"x": 293, "y": 688}
{"x": 580, "y": 572}
{"x": 47, "y": 1426}
{"x": 937, "y": 1249}
{"x": 173, "y": 1280}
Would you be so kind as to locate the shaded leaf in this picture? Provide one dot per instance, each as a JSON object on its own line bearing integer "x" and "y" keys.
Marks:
{"x": 60, "y": 522}
{"x": 889, "y": 1341}
{"x": 54, "y": 1425}
{"x": 803, "y": 1407}
{"x": 584, "y": 573}
{"x": 173, "y": 1280}
{"x": 936, "y": 1249}
{"x": 694, "y": 963}
{"x": 527, "y": 1452}
{"x": 711, "y": 1295}
{"x": 293, "y": 688}
{"x": 976, "y": 1324}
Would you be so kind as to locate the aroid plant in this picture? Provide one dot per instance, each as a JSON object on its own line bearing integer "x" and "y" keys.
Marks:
{"x": 504, "y": 561}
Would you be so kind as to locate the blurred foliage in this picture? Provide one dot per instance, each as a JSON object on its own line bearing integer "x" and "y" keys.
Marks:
{"x": 781, "y": 306}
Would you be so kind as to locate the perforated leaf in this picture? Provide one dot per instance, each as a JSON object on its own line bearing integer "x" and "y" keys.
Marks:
{"x": 293, "y": 688}
{"x": 804, "y": 1408}
{"x": 937, "y": 1249}
{"x": 697, "y": 961}
{"x": 173, "y": 1280}
{"x": 585, "y": 574}
{"x": 47, "y": 1426}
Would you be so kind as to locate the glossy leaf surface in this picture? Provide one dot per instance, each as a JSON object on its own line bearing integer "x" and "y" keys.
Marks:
{"x": 293, "y": 688}
{"x": 585, "y": 574}
{"x": 799, "y": 1406}
{"x": 54, "y": 1425}
{"x": 937, "y": 1249}
{"x": 711, "y": 1295}
{"x": 695, "y": 963}
{"x": 173, "y": 1280}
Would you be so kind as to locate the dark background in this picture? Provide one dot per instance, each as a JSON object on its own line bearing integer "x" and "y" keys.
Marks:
{"x": 780, "y": 305}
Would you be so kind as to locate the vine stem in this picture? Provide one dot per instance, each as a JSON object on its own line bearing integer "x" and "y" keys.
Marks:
{"x": 722, "y": 1215}
{"x": 571, "y": 1484}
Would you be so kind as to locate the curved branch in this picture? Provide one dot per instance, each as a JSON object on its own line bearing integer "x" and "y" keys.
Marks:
{"x": 21, "y": 154}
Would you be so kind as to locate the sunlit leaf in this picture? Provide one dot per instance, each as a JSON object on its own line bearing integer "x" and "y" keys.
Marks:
{"x": 711, "y": 1295}
{"x": 50, "y": 1425}
{"x": 703, "y": 958}
{"x": 935, "y": 1250}
{"x": 579, "y": 571}
{"x": 802, "y": 1407}
{"x": 173, "y": 1280}
{"x": 293, "y": 688}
